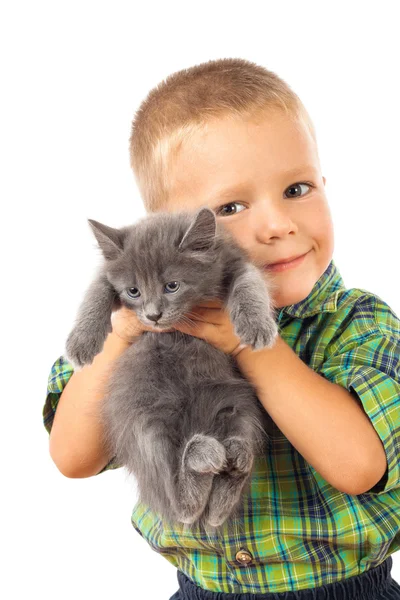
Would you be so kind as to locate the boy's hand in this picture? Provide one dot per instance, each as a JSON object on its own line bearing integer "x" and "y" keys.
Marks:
{"x": 210, "y": 321}
{"x": 127, "y": 326}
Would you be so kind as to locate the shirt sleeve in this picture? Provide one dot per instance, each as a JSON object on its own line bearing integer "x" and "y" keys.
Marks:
{"x": 60, "y": 373}
{"x": 365, "y": 359}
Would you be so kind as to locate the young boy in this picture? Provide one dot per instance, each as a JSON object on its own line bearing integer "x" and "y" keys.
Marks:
{"x": 323, "y": 509}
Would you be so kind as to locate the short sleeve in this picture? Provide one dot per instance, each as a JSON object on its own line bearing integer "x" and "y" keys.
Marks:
{"x": 60, "y": 373}
{"x": 366, "y": 361}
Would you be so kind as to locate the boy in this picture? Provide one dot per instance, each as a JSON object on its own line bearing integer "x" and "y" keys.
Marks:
{"x": 324, "y": 503}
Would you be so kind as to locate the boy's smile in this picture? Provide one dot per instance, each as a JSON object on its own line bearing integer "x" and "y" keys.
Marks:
{"x": 263, "y": 180}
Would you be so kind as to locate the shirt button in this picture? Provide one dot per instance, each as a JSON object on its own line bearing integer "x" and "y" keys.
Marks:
{"x": 244, "y": 557}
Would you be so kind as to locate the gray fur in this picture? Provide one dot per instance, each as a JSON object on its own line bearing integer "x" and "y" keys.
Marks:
{"x": 177, "y": 413}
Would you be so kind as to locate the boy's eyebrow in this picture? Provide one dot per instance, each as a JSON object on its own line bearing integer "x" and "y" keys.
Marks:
{"x": 299, "y": 170}
{"x": 238, "y": 188}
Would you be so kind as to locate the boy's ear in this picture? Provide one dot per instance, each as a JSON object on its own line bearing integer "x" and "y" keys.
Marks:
{"x": 324, "y": 180}
{"x": 201, "y": 233}
{"x": 111, "y": 241}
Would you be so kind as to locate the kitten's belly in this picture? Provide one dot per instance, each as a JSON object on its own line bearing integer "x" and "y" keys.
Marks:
{"x": 181, "y": 386}
{"x": 189, "y": 358}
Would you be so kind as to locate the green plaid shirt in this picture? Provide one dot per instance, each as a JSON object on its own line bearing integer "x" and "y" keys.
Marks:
{"x": 295, "y": 530}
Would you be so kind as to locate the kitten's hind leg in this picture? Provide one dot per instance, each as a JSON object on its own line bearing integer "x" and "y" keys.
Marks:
{"x": 203, "y": 457}
{"x": 227, "y": 486}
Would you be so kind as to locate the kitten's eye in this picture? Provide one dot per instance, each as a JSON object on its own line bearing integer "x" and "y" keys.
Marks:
{"x": 172, "y": 286}
{"x": 133, "y": 292}
{"x": 229, "y": 213}
{"x": 293, "y": 189}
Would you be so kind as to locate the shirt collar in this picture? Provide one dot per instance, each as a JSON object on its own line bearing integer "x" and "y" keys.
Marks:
{"x": 322, "y": 298}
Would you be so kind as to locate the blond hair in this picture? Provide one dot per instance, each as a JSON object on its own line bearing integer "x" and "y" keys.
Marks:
{"x": 186, "y": 102}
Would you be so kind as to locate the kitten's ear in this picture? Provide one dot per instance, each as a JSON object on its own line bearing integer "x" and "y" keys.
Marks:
{"x": 201, "y": 233}
{"x": 111, "y": 241}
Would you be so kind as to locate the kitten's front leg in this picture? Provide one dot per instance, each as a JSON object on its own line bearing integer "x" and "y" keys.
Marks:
{"x": 93, "y": 322}
{"x": 250, "y": 308}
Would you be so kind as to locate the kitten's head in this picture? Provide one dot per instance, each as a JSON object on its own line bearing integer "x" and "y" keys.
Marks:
{"x": 163, "y": 265}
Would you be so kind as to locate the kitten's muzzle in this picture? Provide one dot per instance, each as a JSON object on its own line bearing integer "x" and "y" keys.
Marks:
{"x": 154, "y": 317}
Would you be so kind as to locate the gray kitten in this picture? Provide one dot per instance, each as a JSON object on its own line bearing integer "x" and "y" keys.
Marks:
{"x": 177, "y": 412}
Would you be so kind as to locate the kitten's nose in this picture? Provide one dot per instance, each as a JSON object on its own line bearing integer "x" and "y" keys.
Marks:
{"x": 154, "y": 317}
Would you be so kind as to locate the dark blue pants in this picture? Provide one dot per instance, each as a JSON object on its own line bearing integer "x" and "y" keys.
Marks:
{"x": 374, "y": 584}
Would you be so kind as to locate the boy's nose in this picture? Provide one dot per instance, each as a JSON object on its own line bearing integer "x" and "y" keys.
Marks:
{"x": 154, "y": 317}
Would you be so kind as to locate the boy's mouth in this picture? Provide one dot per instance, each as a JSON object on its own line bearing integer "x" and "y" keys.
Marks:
{"x": 286, "y": 263}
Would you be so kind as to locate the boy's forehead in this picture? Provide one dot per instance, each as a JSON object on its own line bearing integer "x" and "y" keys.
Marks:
{"x": 230, "y": 155}
{"x": 275, "y": 131}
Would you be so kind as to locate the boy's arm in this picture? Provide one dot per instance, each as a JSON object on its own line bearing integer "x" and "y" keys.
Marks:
{"x": 322, "y": 420}
{"x": 76, "y": 437}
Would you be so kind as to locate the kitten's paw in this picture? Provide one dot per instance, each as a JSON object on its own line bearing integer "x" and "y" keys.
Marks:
{"x": 256, "y": 331}
{"x": 239, "y": 455}
{"x": 81, "y": 349}
{"x": 204, "y": 454}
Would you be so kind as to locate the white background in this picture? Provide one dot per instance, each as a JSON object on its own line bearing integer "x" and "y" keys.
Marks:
{"x": 72, "y": 75}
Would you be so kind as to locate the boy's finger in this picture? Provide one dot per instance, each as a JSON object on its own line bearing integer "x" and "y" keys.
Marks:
{"x": 211, "y": 303}
{"x": 212, "y": 316}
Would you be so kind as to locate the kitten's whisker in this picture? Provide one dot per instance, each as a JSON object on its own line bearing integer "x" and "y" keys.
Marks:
{"x": 198, "y": 317}
{"x": 186, "y": 321}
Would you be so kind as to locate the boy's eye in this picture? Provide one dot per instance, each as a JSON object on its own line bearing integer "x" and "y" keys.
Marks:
{"x": 219, "y": 210}
{"x": 295, "y": 188}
